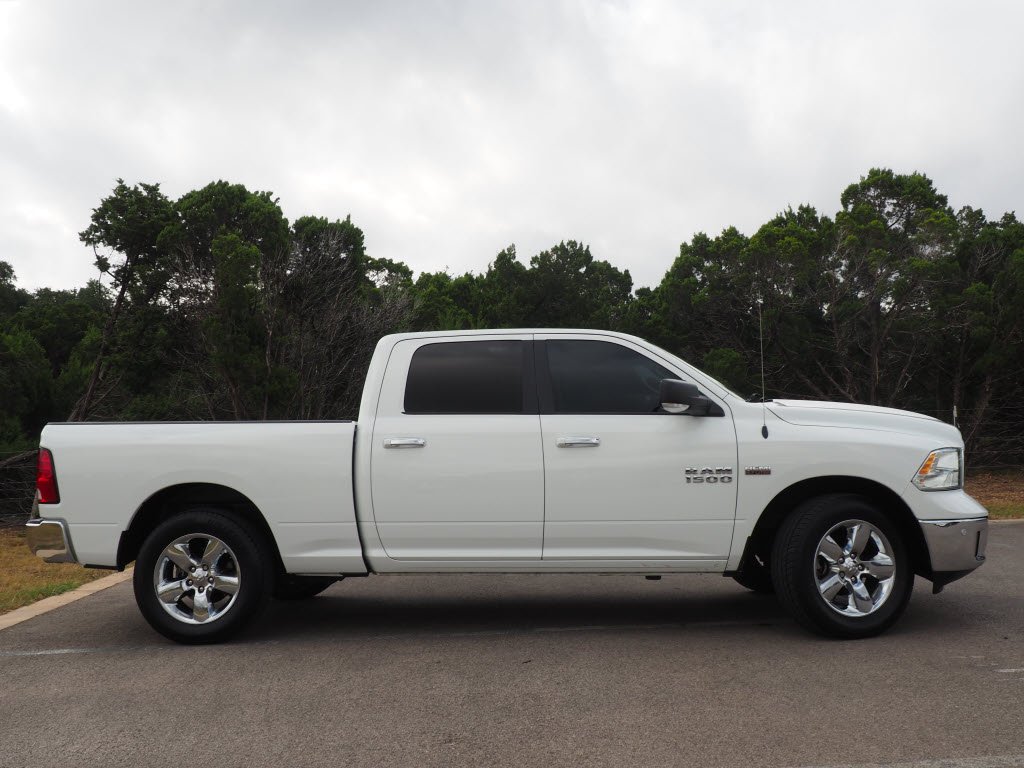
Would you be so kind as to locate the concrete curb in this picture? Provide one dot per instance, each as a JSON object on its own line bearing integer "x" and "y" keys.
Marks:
{"x": 48, "y": 604}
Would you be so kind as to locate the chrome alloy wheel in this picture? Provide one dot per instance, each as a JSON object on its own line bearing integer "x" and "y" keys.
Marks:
{"x": 196, "y": 578}
{"x": 854, "y": 568}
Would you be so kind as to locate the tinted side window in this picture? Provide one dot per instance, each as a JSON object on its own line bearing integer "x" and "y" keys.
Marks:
{"x": 466, "y": 377}
{"x": 602, "y": 377}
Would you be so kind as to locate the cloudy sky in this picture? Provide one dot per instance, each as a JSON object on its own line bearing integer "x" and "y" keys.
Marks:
{"x": 449, "y": 130}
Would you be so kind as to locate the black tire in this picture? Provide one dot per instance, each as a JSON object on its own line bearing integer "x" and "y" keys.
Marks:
{"x": 289, "y": 587}
{"x": 799, "y": 567}
{"x": 755, "y": 577}
{"x": 246, "y": 558}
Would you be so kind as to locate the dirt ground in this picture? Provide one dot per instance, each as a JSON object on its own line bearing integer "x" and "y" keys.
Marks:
{"x": 1002, "y": 493}
{"x": 24, "y": 578}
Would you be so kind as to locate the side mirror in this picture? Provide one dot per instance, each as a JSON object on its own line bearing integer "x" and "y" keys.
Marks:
{"x": 684, "y": 397}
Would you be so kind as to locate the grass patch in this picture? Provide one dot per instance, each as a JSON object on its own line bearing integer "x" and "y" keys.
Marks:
{"x": 24, "y": 578}
{"x": 1002, "y": 493}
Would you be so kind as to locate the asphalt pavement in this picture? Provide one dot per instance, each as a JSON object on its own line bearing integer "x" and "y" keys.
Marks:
{"x": 528, "y": 671}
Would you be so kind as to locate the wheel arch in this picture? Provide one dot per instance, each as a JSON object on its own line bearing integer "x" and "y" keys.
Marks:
{"x": 759, "y": 543}
{"x": 166, "y": 502}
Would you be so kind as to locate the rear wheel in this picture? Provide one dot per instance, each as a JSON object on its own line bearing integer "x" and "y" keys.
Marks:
{"x": 840, "y": 567}
{"x": 201, "y": 576}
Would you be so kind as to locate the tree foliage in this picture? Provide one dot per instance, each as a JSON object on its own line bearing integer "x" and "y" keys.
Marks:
{"x": 215, "y": 306}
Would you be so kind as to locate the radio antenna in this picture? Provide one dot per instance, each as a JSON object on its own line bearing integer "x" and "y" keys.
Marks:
{"x": 760, "y": 335}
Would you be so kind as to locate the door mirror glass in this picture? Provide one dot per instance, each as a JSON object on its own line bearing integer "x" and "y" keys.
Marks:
{"x": 684, "y": 397}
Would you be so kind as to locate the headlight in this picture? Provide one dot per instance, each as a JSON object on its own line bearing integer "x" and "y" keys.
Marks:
{"x": 941, "y": 471}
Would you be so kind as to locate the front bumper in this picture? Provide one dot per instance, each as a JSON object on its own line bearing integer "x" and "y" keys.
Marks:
{"x": 956, "y": 547}
{"x": 955, "y": 531}
{"x": 50, "y": 540}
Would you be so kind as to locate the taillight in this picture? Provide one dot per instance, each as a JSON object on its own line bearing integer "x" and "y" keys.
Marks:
{"x": 46, "y": 479}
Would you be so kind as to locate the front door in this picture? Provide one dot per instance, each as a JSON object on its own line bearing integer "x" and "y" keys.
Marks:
{"x": 616, "y": 464}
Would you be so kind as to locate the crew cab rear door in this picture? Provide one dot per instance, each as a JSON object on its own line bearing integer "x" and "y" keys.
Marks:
{"x": 616, "y": 481}
{"x": 457, "y": 471}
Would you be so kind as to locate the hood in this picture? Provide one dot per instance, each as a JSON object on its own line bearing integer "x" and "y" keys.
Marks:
{"x": 819, "y": 413}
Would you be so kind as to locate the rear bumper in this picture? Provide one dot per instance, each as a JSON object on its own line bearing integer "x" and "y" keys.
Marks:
{"x": 50, "y": 540}
{"x": 956, "y": 547}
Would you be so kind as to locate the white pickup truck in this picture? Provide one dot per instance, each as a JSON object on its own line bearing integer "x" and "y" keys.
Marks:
{"x": 530, "y": 451}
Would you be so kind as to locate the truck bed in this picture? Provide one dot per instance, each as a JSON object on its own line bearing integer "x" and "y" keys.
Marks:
{"x": 297, "y": 474}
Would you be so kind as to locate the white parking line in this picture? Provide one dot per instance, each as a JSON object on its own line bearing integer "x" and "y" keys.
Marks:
{"x": 64, "y": 651}
{"x": 994, "y": 761}
{"x": 404, "y": 636}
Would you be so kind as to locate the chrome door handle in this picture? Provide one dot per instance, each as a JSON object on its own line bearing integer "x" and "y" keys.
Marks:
{"x": 578, "y": 442}
{"x": 404, "y": 442}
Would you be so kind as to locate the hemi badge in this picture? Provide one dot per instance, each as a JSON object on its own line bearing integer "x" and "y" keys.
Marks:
{"x": 757, "y": 471}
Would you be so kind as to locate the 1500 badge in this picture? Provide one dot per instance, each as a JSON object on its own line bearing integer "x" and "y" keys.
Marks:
{"x": 708, "y": 475}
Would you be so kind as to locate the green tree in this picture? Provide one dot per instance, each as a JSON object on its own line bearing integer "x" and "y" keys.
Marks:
{"x": 340, "y": 303}
{"x": 231, "y": 253}
{"x": 440, "y": 302}
{"x": 566, "y": 287}
{"x": 12, "y": 298}
{"x": 59, "y": 319}
{"x": 218, "y": 308}
{"x": 127, "y": 224}
{"x": 26, "y": 389}
{"x": 976, "y": 347}
{"x": 702, "y": 302}
{"x": 895, "y": 237}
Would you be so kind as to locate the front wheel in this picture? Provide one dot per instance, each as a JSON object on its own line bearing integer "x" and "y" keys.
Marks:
{"x": 201, "y": 576}
{"x": 841, "y": 568}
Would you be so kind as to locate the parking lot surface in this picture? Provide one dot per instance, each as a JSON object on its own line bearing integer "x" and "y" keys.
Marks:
{"x": 528, "y": 671}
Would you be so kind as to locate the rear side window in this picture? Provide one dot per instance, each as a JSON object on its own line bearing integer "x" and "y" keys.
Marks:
{"x": 602, "y": 377}
{"x": 466, "y": 377}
